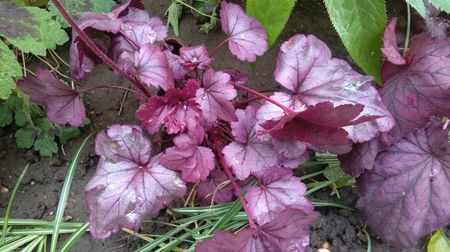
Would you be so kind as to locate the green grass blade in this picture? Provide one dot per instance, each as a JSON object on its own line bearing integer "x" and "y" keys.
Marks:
{"x": 39, "y": 223}
{"x": 65, "y": 193}
{"x": 17, "y": 244}
{"x": 40, "y": 231}
{"x": 324, "y": 203}
{"x": 73, "y": 238}
{"x": 30, "y": 247}
{"x": 11, "y": 199}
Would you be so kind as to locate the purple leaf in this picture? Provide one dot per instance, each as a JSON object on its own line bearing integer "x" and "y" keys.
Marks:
{"x": 195, "y": 57}
{"x": 175, "y": 66}
{"x": 291, "y": 153}
{"x": 405, "y": 195}
{"x": 247, "y": 154}
{"x": 215, "y": 189}
{"x": 152, "y": 68}
{"x": 142, "y": 28}
{"x": 195, "y": 162}
{"x": 236, "y": 77}
{"x": 177, "y": 110}
{"x": 306, "y": 68}
{"x": 419, "y": 89}
{"x": 82, "y": 60}
{"x": 390, "y": 49}
{"x": 215, "y": 96}
{"x": 288, "y": 232}
{"x": 278, "y": 190}
{"x": 321, "y": 124}
{"x": 63, "y": 104}
{"x": 246, "y": 36}
{"x": 362, "y": 157}
{"x": 122, "y": 53}
{"x": 129, "y": 185}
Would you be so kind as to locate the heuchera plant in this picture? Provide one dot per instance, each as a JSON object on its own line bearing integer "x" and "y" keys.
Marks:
{"x": 391, "y": 139}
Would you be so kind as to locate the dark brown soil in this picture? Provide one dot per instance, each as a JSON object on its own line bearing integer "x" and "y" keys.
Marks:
{"x": 38, "y": 195}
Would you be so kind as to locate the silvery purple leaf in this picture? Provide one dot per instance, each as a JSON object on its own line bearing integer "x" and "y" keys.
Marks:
{"x": 405, "y": 196}
{"x": 246, "y": 36}
{"x": 215, "y": 189}
{"x": 195, "y": 57}
{"x": 152, "y": 68}
{"x": 129, "y": 185}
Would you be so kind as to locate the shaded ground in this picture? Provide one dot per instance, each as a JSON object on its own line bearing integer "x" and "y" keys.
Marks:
{"x": 38, "y": 196}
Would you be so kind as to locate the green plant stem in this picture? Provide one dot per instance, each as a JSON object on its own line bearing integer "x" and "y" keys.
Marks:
{"x": 91, "y": 45}
{"x": 11, "y": 199}
{"x": 194, "y": 9}
{"x": 408, "y": 29}
{"x": 65, "y": 194}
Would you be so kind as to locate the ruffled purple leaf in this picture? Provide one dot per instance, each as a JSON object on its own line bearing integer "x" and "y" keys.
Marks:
{"x": 247, "y": 154}
{"x": 405, "y": 195}
{"x": 178, "y": 71}
{"x": 63, "y": 104}
{"x": 143, "y": 29}
{"x": 362, "y": 157}
{"x": 195, "y": 57}
{"x": 215, "y": 189}
{"x": 215, "y": 96}
{"x": 321, "y": 124}
{"x": 390, "y": 49}
{"x": 279, "y": 190}
{"x": 306, "y": 68}
{"x": 121, "y": 51}
{"x": 152, "y": 68}
{"x": 288, "y": 232}
{"x": 419, "y": 89}
{"x": 194, "y": 161}
{"x": 129, "y": 185}
{"x": 177, "y": 110}
{"x": 236, "y": 77}
{"x": 246, "y": 36}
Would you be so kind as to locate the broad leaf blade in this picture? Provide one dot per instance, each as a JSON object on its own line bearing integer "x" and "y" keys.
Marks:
{"x": 443, "y": 5}
{"x": 9, "y": 69}
{"x": 439, "y": 242}
{"x": 418, "y": 5}
{"x": 273, "y": 15}
{"x": 360, "y": 24}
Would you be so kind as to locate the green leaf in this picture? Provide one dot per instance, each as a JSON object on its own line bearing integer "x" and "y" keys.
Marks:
{"x": 418, "y": 5}
{"x": 439, "y": 242}
{"x": 68, "y": 133}
{"x": 443, "y": 5}
{"x": 173, "y": 14}
{"x": 9, "y": 69}
{"x": 78, "y": 6}
{"x": 273, "y": 15}
{"x": 30, "y": 2}
{"x": 31, "y": 29}
{"x": 44, "y": 124}
{"x": 24, "y": 138}
{"x": 6, "y": 116}
{"x": 46, "y": 145}
{"x": 360, "y": 24}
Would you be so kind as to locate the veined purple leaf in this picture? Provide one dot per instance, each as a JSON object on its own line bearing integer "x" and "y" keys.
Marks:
{"x": 246, "y": 36}
{"x": 82, "y": 60}
{"x": 405, "y": 195}
{"x": 291, "y": 153}
{"x": 63, "y": 104}
{"x": 177, "y": 110}
{"x": 215, "y": 96}
{"x": 129, "y": 185}
{"x": 247, "y": 154}
{"x": 154, "y": 31}
{"x": 321, "y": 124}
{"x": 121, "y": 51}
{"x": 288, "y": 232}
{"x": 195, "y": 57}
{"x": 421, "y": 88}
{"x": 194, "y": 161}
{"x": 215, "y": 189}
{"x": 390, "y": 49}
{"x": 236, "y": 77}
{"x": 362, "y": 157}
{"x": 279, "y": 190}
{"x": 175, "y": 66}
{"x": 152, "y": 68}
{"x": 306, "y": 68}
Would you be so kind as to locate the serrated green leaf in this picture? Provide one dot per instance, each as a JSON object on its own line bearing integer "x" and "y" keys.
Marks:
{"x": 360, "y": 24}
{"x": 30, "y": 2}
{"x": 6, "y": 116}
{"x": 78, "y": 6}
{"x": 439, "y": 242}
{"x": 173, "y": 14}
{"x": 273, "y": 15}
{"x": 46, "y": 145}
{"x": 24, "y": 138}
{"x": 20, "y": 118}
{"x": 443, "y": 5}
{"x": 44, "y": 124}
{"x": 68, "y": 133}
{"x": 31, "y": 29}
{"x": 9, "y": 70}
{"x": 418, "y": 5}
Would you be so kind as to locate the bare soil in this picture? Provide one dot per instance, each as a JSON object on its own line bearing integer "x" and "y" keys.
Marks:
{"x": 38, "y": 195}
